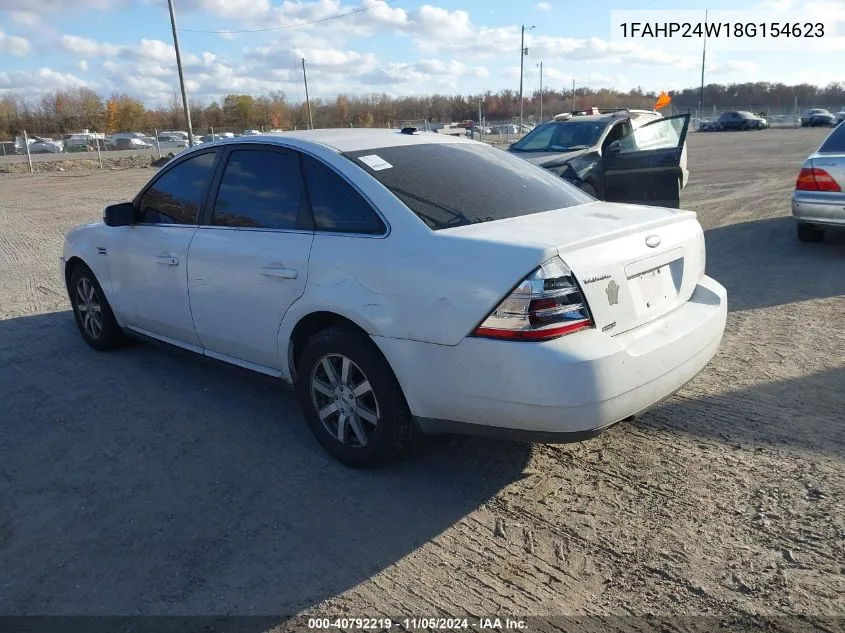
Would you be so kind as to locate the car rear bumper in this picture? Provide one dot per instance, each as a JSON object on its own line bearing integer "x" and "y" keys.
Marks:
{"x": 569, "y": 388}
{"x": 819, "y": 207}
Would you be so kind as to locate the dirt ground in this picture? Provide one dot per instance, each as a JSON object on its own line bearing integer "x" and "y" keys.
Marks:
{"x": 148, "y": 481}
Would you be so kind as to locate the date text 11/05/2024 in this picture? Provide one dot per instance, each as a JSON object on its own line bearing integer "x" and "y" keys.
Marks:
{"x": 415, "y": 624}
{"x": 644, "y": 30}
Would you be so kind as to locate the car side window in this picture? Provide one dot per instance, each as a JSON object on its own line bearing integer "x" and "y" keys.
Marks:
{"x": 619, "y": 131}
{"x": 336, "y": 205}
{"x": 177, "y": 195}
{"x": 259, "y": 189}
{"x": 662, "y": 134}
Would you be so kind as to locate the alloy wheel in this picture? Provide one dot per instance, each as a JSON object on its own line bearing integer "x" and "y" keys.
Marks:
{"x": 344, "y": 400}
{"x": 88, "y": 307}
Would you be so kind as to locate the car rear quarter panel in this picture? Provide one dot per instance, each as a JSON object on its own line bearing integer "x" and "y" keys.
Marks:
{"x": 434, "y": 290}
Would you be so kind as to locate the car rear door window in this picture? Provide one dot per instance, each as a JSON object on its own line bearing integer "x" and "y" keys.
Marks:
{"x": 835, "y": 143}
{"x": 336, "y": 205}
{"x": 178, "y": 194}
{"x": 259, "y": 189}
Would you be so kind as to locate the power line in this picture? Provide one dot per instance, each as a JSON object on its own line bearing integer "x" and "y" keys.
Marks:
{"x": 298, "y": 24}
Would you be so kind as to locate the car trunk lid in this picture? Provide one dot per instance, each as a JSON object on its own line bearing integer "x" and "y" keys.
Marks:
{"x": 633, "y": 263}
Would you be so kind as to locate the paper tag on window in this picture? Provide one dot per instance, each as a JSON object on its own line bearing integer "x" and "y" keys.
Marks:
{"x": 375, "y": 162}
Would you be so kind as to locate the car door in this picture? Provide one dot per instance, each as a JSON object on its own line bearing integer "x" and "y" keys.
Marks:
{"x": 249, "y": 259}
{"x": 645, "y": 167}
{"x": 149, "y": 258}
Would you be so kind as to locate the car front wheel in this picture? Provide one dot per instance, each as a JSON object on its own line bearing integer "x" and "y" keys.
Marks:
{"x": 92, "y": 312}
{"x": 352, "y": 402}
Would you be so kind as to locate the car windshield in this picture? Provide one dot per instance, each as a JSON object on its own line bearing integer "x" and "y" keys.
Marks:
{"x": 455, "y": 184}
{"x": 747, "y": 115}
{"x": 561, "y": 136}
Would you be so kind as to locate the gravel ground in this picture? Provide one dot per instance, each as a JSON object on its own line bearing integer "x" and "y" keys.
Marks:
{"x": 149, "y": 481}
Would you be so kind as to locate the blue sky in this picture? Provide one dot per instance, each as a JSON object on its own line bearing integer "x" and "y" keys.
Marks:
{"x": 402, "y": 47}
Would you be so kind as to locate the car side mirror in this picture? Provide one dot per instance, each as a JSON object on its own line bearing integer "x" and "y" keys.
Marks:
{"x": 121, "y": 214}
{"x": 614, "y": 148}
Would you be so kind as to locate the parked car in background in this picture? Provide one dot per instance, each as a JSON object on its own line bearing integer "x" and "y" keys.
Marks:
{"x": 171, "y": 141}
{"x": 816, "y": 117}
{"x": 741, "y": 120}
{"x": 818, "y": 201}
{"x": 362, "y": 286}
{"x": 181, "y": 135}
{"x": 216, "y": 136}
{"x": 130, "y": 143}
{"x": 85, "y": 142}
{"x": 840, "y": 116}
{"x": 610, "y": 158}
{"x": 41, "y": 145}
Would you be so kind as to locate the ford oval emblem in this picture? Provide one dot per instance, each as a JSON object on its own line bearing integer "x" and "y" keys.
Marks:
{"x": 652, "y": 241}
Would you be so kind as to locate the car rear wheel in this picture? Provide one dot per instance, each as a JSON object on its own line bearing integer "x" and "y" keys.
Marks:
{"x": 351, "y": 400}
{"x": 808, "y": 233}
{"x": 92, "y": 312}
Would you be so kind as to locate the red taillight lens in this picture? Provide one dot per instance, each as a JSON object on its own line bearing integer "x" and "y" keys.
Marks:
{"x": 816, "y": 179}
{"x": 545, "y": 305}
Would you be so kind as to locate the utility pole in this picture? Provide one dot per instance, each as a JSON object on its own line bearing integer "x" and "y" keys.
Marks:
{"x": 181, "y": 76}
{"x": 522, "y": 53}
{"x": 307, "y": 100}
{"x": 541, "y": 92}
{"x": 480, "y": 125}
{"x": 703, "y": 56}
{"x": 573, "y": 95}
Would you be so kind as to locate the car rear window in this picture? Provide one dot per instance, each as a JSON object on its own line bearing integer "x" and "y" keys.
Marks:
{"x": 835, "y": 143}
{"x": 455, "y": 184}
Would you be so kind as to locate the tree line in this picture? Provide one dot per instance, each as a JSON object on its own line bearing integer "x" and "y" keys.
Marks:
{"x": 67, "y": 111}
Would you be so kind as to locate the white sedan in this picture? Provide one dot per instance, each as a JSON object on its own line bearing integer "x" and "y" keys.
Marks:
{"x": 368, "y": 269}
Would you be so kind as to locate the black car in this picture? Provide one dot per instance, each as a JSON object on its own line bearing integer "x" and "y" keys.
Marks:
{"x": 741, "y": 120}
{"x": 612, "y": 159}
{"x": 817, "y": 116}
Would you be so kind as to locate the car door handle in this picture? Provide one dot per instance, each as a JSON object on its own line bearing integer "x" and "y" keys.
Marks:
{"x": 280, "y": 272}
{"x": 169, "y": 260}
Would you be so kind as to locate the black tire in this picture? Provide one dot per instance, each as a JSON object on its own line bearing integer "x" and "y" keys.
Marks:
{"x": 744, "y": 127}
{"x": 808, "y": 233}
{"x": 108, "y": 335}
{"x": 394, "y": 431}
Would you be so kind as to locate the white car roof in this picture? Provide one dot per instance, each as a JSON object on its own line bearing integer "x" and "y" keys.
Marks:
{"x": 353, "y": 140}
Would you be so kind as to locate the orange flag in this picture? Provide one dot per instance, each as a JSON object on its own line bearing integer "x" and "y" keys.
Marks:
{"x": 662, "y": 101}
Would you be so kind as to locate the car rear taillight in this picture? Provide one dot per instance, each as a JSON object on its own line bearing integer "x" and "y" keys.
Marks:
{"x": 815, "y": 179}
{"x": 546, "y": 304}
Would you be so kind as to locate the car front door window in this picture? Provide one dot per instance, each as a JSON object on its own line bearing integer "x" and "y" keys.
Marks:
{"x": 176, "y": 196}
{"x": 661, "y": 134}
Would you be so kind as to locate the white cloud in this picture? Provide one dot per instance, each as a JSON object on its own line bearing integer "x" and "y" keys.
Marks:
{"x": 82, "y": 65}
{"x": 543, "y": 6}
{"x": 732, "y": 67}
{"x": 47, "y": 7}
{"x": 25, "y": 18}
{"x": 41, "y": 80}
{"x": 87, "y": 47}
{"x": 14, "y": 45}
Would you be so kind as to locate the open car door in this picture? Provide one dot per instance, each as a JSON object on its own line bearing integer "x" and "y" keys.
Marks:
{"x": 644, "y": 167}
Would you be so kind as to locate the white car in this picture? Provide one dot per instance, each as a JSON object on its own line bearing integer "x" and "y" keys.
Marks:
{"x": 358, "y": 265}
{"x": 840, "y": 116}
{"x": 166, "y": 141}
